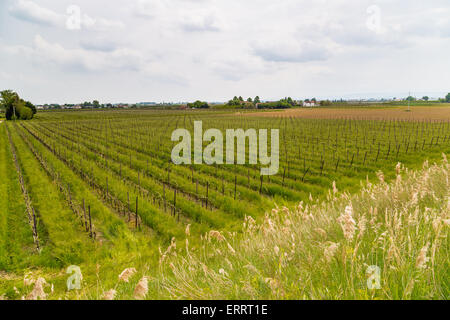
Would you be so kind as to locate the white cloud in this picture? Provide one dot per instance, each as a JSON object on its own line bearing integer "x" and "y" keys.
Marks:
{"x": 44, "y": 52}
{"x": 31, "y": 12}
{"x": 291, "y": 51}
{"x": 200, "y": 21}
{"x": 189, "y": 16}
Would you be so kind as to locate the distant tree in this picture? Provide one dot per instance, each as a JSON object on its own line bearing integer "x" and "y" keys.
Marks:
{"x": 410, "y": 99}
{"x": 447, "y": 97}
{"x": 198, "y": 105}
{"x": 249, "y": 100}
{"x": 325, "y": 103}
{"x": 15, "y": 108}
{"x": 241, "y": 99}
{"x": 282, "y": 104}
{"x": 8, "y": 100}
{"x": 257, "y": 100}
{"x": 426, "y": 98}
{"x": 95, "y": 104}
{"x": 235, "y": 102}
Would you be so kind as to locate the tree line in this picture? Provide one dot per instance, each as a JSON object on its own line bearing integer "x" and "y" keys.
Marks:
{"x": 16, "y": 108}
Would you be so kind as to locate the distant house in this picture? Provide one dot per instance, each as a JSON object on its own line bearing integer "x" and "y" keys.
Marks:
{"x": 120, "y": 105}
{"x": 311, "y": 104}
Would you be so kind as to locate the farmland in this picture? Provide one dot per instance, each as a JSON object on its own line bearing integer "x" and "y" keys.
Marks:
{"x": 98, "y": 189}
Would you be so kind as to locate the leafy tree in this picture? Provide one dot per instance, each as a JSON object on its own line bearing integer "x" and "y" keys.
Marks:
{"x": 96, "y": 104}
{"x": 282, "y": 104}
{"x": 410, "y": 99}
{"x": 447, "y": 97}
{"x": 26, "y": 113}
{"x": 249, "y": 100}
{"x": 257, "y": 100}
{"x": 325, "y": 103}
{"x": 235, "y": 102}
{"x": 426, "y": 98}
{"x": 15, "y": 108}
{"x": 198, "y": 105}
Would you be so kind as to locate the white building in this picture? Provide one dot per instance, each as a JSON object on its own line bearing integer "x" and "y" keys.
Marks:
{"x": 311, "y": 104}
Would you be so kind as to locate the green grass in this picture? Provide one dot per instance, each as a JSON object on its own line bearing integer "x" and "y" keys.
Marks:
{"x": 17, "y": 249}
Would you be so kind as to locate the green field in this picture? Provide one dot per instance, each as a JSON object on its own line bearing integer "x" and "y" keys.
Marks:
{"x": 105, "y": 195}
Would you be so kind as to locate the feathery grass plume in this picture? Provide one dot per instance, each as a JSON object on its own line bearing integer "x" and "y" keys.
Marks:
{"x": 213, "y": 234}
{"x": 230, "y": 265}
{"x": 249, "y": 224}
{"x": 330, "y": 251}
{"x": 127, "y": 274}
{"x": 362, "y": 226}
{"x": 276, "y": 250}
{"x": 109, "y": 295}
{"x": 335, "y": 190}
{"x": 422, "y": 259}
{"x": 38, "y": 292}
{"x": 141, "y": 289}
{"x": 409, "y": 288}
{"x": 347, "y": 223}
{"x": 231, "y": 248}
{"x": 398, "y": 168}
{"x": 187, "y": 231}
{"x": 321, "y": 232}
{"x": 380, "y": 176}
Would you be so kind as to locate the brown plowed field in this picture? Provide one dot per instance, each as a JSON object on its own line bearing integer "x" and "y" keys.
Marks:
{"x": 432, "y": 113}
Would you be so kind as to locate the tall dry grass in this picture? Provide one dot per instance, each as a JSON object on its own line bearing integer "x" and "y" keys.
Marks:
{"x": 328, "y": 250}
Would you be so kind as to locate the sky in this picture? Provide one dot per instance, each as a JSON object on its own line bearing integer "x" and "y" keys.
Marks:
{"x": 58, "y": 51}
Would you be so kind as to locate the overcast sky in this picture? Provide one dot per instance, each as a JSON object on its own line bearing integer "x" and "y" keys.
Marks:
{"x": 182, "y": 50}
